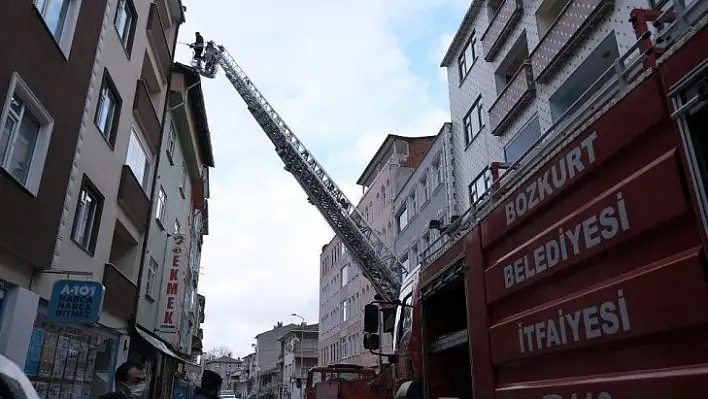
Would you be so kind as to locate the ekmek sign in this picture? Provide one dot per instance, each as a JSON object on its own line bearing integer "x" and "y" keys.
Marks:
{"x": 172, "y": 300}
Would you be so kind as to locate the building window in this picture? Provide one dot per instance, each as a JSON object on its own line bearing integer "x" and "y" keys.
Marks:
{"x": 438, "y": 167}
{"x": 523, "y": 141}
{"x": 125, "y": 22}
{"x": 425, "y": 184}
{"x": 468, "y": 57}
{"x": 107, "y": 109}
{"x": 55, "y": 14}
{"x": 170, "y": 147}
{"x": 402, "y": 219}
{"x": 24, "y": 136}
{"x": 405, "y": 263}
{"x": 479, "y": 186}
{"x": 345, "y": 314}
{"x": 161, "y": 208}
{"x": 413, "y": 202}
{"x": 151, "y": 276}
{"x": 137, "y": 159}
{"x": 345, "y": 275}
{"x": 473, "y": 121}
{"x": 88, "y": 217}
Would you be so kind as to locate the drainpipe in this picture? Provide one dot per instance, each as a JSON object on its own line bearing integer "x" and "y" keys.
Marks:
{"x": 146, "y": 236}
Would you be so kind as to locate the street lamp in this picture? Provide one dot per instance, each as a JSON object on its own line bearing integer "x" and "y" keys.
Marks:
{"x": 302, "y": 358}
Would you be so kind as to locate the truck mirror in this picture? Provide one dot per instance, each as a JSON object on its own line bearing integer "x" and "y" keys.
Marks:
{"x": 371, "y": 318}
{"x": 371, "y": 341}
{"x": 389, "y": 319}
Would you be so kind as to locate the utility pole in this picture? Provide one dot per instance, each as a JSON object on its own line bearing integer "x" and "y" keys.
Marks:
{"x": 302, "y": 357}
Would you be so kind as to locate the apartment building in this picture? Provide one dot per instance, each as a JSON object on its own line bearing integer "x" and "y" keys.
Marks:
{"x": 169, "y": 309}
{"x": 519, "y": 70}
{"x": 226, "y": 367}
{"x": 298, "y": 354}
{"x": 343, "y": 290}
{"x": 85, "y": 101}
{"x": 45, "y": 72}
{"x": 426, "y": 202}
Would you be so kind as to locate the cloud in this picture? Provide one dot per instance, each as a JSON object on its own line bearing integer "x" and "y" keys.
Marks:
{"x": 337, "y": 73}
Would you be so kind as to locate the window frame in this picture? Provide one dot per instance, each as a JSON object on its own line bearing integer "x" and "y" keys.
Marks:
{"x": 68, "y": 31}
{"x": 439, "y": 172}
{"x": 161, "y": 207}
{"x": 462, "y": 68}
{"x": 126, "y": 42}
{"x": 150, "y": 284}
{"x": 467, "y": 121}
{"x": 44, "y": 135}
{"x": 171, "y": 143}
{"x": 107, "y": 83}
{"x": 135, "y": 132}
{"x": 403, "y": 209}
{"x": 486, "y": 176}
{"x": 93, "y": 191}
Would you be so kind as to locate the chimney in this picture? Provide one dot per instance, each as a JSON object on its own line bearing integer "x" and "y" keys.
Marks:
{"x": 279, "y": 325}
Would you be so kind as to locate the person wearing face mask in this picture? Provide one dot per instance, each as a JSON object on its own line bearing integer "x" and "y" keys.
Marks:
{"x": 130, "y": 380}
{"x": 210, "y": 386}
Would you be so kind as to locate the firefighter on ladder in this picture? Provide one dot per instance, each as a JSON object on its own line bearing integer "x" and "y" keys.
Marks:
{"x": 210, "y": 58}
{"x": 198, "y": 47}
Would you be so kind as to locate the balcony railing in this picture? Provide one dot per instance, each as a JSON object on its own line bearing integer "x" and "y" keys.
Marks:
{"x": 147, "y": 117}
{"x": 501, "y": 25}
{"x": 133, "y": 200}
{"x": 158, "y": 40}
{"x": 121, "y": 293}
{"x": 512, "y": 99}
{"x": 567, "y": 33}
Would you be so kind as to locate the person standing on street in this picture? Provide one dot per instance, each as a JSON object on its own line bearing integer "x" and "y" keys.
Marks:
{"x": 131, "y": 382}
{"x": 210, "y": 386}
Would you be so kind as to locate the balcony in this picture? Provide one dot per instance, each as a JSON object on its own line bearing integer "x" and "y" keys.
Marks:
{"x": 567, "y": 32}
{"x": 133, "y": 200}
{"x": 520, "y": 90}
{"x": 145, "y": 113}
{"x": 158, "y": 41}
{"x": 499, "y": 28}
{"x": 121, "y": 293}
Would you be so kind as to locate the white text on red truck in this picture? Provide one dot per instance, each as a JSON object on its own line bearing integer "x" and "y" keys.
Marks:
{"x": 558, "y": 175}
{"x": 584, "y": 235}
{"x": 609, "y": 318}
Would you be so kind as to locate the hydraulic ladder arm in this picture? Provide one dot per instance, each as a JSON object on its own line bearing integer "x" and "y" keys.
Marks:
{"x": 375, "y": 259}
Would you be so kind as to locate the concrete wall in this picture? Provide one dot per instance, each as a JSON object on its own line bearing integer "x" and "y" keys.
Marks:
{"x": 169, "y": 178}
{"x": 412, "y": 241}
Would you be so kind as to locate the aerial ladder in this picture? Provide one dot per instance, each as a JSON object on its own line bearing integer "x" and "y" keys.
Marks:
{"x": 375, "y": 259}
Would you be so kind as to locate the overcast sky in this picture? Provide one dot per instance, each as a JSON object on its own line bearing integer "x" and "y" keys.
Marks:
{"x": 343, "y": 74}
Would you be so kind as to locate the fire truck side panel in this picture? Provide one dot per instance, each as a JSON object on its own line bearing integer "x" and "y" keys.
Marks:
{"x": 589, "y": 150}
{"x": 478, "y": 319}
{"x": 602, "y": 294}
{"x": 609, "y": 143}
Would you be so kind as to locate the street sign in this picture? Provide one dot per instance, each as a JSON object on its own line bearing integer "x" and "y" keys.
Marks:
{"x": 76, "y": 302}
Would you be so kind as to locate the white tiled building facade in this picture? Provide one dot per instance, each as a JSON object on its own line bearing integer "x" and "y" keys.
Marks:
{"x": 515, "y": 33}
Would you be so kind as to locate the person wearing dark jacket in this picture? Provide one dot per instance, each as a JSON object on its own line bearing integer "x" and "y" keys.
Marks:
{"x": 210, "y": 386}
{"x": 131, "y": 382}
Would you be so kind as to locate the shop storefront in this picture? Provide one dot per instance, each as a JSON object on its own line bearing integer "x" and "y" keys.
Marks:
{"x": 68, "y": 360}
{"x": 159, "y": 360}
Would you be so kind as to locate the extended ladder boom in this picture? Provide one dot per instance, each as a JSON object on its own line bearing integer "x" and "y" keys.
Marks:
{"x": 376, "y": 261}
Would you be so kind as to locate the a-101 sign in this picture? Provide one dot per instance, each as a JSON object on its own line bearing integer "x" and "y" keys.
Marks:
{"x": 76, "y": 302}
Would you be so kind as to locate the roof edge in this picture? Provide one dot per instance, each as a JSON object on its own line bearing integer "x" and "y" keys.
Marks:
{"x": 460, "y": 34}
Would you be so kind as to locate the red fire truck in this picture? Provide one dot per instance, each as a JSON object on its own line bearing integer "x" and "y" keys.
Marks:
{"x": 583, "y": 273}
